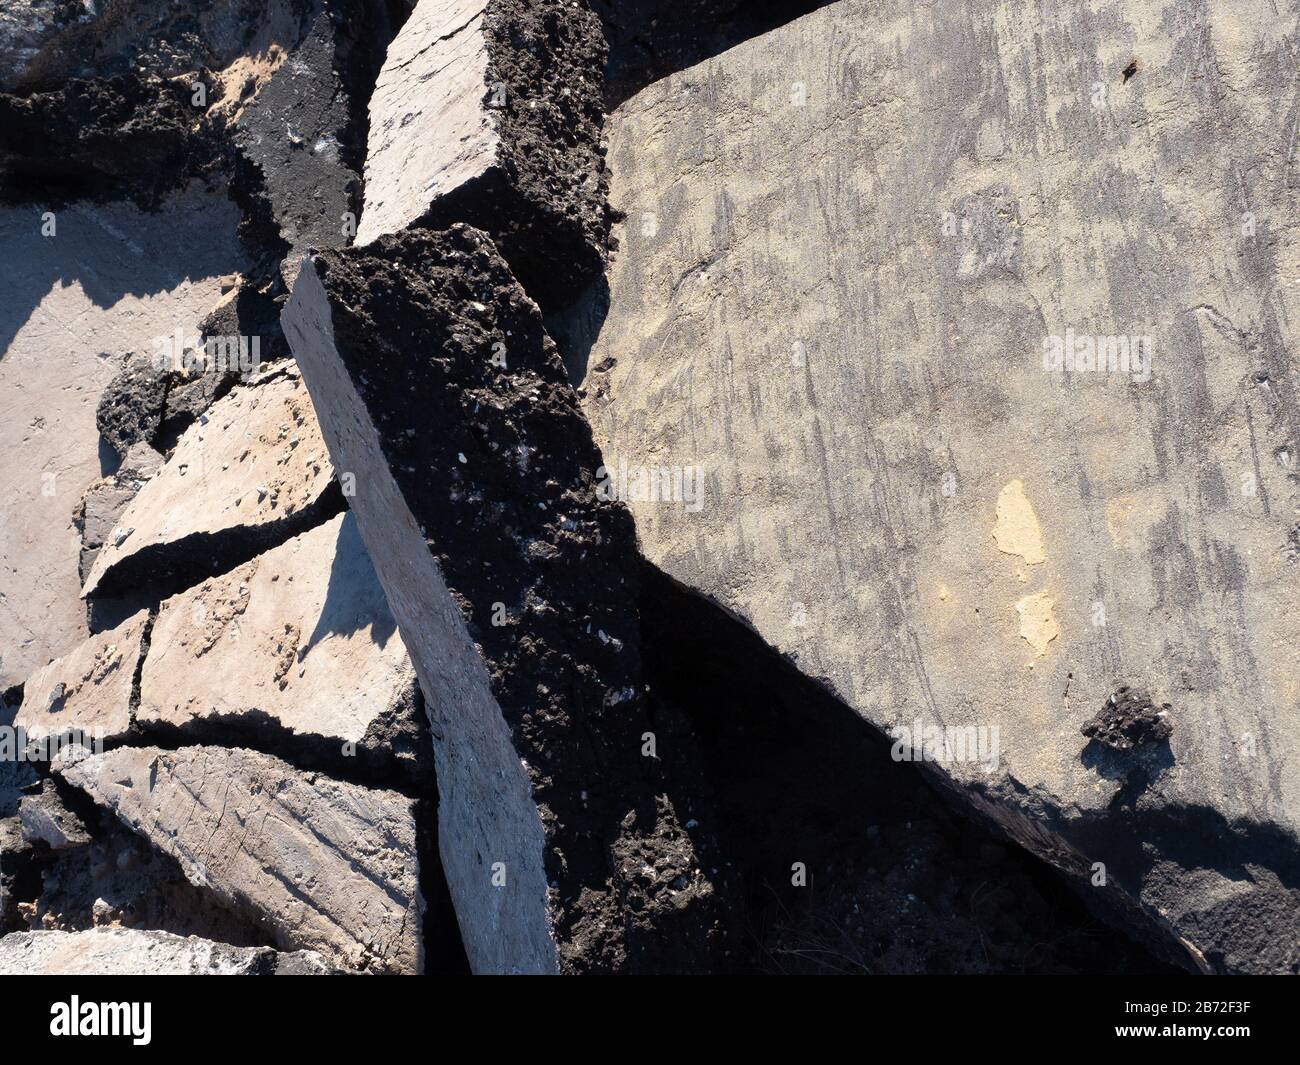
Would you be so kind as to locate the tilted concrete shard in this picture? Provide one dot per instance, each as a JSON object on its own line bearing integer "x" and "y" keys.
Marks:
{"x": 135, "y": 952}
{"x": 515, "y": 590}
{"x": 86, "y": 695}
{"x": 320, "y": 864}
{"x": 300, "y": 638}
{"x": 974, "y": 326}
{"x": 488, "y": 112}
{"x": 249, "y": 474}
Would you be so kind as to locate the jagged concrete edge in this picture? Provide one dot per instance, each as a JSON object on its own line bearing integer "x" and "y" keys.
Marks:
{"x": 486, "y": 810}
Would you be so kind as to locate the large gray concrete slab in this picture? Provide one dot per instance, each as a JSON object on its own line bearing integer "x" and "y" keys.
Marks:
{"x": 848, "y": 245}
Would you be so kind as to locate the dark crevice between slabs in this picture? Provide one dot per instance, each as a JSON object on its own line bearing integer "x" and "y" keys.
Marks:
{"x": 396, "y": 752}
{"x": 650, "y": 39}
{"x": 896, "y": 881}
{"x": 153, "y": 573}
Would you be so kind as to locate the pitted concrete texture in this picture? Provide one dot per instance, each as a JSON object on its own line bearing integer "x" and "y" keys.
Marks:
{"x": 301, "y": 635}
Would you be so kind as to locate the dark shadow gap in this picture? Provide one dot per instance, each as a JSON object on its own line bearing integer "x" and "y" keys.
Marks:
{"x": 896, "y": 881}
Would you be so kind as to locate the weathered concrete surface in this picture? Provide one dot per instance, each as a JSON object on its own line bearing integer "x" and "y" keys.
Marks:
{"x": 134, "y": 952}
{"x": 301, "y": 635}
{"x": 251, "y": 473}
{"x": 110, "y": 280}
{"x": 848, "y": 245}
{"x": 88, "y": 691}
{"x": 320, "y": 864}
{"x": 515, "y": 590}
{"x": 488, "y": 112}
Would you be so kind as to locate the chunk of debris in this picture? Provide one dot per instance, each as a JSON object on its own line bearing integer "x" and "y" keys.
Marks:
{"x": 45, "y": 819}
{"x": 96, "y": 516}
{"x": 1128, "y": 719}
{"x": 85, "y": 696}
{"x": 248, "y": 476}
{"x": 298, "y": 640}
{"x": 489, "y": 112}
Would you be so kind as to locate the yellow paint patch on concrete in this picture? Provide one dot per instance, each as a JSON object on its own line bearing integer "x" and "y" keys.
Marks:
{"x": 944, "y": 593}
{"x": 1037, "y": 625}
{"x": 1017, "y": 531}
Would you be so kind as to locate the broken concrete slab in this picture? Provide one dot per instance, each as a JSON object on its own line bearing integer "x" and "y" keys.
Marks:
{"x": 829, "y": 387}
{"x": 319, "y": 863}
{"x": 515, "y": 590}
{"x": 137, "y": 952}
{"x": 298, "y": 640}
{"x": 488, "y": 112}
{"x": 86, "y": 695}
{"x": 46, "y": 819}
{"x": 251, "y": 473}
{"x": 109, "y": 279}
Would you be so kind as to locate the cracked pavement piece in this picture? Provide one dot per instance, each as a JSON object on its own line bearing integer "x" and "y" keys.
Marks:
{"x": 136, "y": 952}
{"x": 300, "y": 637}
{"x": 249, "y": 474}
{"x": 320, "y": 864}
{"x": 488, "y": 112}
{"x": 852, "y": 326}
{"x": 88, "y": 692}
{"x": 515, "y": 589}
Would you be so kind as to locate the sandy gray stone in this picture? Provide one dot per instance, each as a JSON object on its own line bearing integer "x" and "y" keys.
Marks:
{"x": 136, "y": 952}
{"x": 86, "y": 694}
{"x": 251, "y": 473}
{"x": 301, "y": 635}
{"x": 850, "y": 245}
{"x": 320, "y": 864}
{"x": 105, "y": 500}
